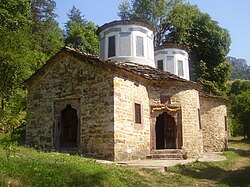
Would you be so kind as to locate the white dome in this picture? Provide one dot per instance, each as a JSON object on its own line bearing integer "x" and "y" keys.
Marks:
{"x": 127, "y": 41}
{"x": 174, "y": 59}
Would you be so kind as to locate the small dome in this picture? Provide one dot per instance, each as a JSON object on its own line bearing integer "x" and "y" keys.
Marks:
{"x": 127, "y": 40}
{"x": 174, "y": 59}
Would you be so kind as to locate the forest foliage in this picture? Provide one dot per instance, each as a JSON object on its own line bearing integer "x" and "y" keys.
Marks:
{"x": 29, "y": 36}
{"x": 239, "y": 108}
{"x": 80, "y": 33}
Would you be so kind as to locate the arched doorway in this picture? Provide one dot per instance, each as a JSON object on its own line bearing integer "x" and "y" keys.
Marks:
{"x": 165, "y": 132}
{"x": 69, "y": 128}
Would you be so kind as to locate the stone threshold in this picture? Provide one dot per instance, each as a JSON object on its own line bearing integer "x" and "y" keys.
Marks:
{"x": 163, "y": 165}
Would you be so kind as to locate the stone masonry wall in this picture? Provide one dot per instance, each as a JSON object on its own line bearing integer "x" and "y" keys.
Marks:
{"x": 213, "y": 114}
{"x": 188, "y": 100}
{"x": 132, "y": 140}
{"x": 65, "y": 81}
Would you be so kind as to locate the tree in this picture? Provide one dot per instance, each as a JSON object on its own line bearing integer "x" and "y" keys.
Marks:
{"x": 239, "y": 86}
{"x": 208, "y": 44}
{"x": 80, "y": 33}
{"x": 14, "y": 14}
{"x": 47, "y": 37}
{"x": 14, "y": 48}
{"x": 75, "y": 15}
{"x": 239, "y": 107}
{"x": 15, "y": 59}
{"x": 236, "y": 87}
{"x": 15, "y": 63}
{"x": 153, "y": 11}
{"x": 245, "y": 85}
{"x": 184, "y": 24}
{"x": 124, "y": 10}
{"x": 241, "y": 111}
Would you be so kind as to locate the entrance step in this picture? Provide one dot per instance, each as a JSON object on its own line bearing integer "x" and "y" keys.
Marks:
{"x": 71, "y": 151}
{"x": 165, "y": 154}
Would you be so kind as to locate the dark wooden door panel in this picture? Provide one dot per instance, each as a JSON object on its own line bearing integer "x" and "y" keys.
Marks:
{"x": 166, "y": 132}
{"x": 69, "y": 127}
{"x": 170, "y": 132}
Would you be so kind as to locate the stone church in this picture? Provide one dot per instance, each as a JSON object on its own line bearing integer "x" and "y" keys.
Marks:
{"x": 134, "y": 101}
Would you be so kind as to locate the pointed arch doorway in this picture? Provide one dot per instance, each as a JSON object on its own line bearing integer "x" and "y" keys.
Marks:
{"x": 67, "y": 124}
{"x": 166, "y": 129}
{"x": 69, "y": 127}
{"x": 166, "y": 132}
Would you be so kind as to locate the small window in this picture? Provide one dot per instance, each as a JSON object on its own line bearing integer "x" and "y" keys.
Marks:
{"x": 139, "y": 46}
{"x": 137, "y": 113}
{"x": 199, "y": 117}
{"x": 111, "y": 46}
{"x": 180, "y": 68}
{"x": 160, "y": 64}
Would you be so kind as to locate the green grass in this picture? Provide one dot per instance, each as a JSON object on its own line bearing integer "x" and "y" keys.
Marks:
{"x": 32, "y": 168}
{"x": 235, "y": 171}
{"x": 239, "y": 143}
{"x": 29, "y": 167}
{"x": 224, "y": 173}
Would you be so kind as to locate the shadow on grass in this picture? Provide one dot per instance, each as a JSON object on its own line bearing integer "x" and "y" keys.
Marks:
{"x": 243, "y": 153}
{"x": 243, "y": 140}
{"x": 215, "y": 173}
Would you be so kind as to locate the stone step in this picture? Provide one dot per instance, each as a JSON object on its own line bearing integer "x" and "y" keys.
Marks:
{"x": 166, "y": 151}
{"x": 165, "y": 154}
{"x": 164, "y": 157}
{"x": 71, "y": 151}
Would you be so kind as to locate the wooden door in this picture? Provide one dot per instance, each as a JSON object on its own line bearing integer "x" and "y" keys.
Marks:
{"x": 170, "y": 132}
{"x": 69, "y": 128}
{"x": 166, "y": 132}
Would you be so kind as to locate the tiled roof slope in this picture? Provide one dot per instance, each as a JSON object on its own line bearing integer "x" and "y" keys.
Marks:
{"x": 126, "y": 22}
{"x": 144, "y": 71}
{"x": 172, "y": 45}
{"x": 207, "y": 95}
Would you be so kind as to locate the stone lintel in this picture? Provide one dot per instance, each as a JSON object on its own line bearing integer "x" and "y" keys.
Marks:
{"x": 168, "y": 107}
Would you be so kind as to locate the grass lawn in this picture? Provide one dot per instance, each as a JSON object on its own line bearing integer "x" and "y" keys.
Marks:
{"x": 29, "y": 167}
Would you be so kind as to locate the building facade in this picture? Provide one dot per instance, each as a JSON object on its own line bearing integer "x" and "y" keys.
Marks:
{"x": 119, "y": 106}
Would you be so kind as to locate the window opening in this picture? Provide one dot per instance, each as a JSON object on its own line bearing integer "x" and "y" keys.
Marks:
{"x": 180, "y": 68}
{"x": 111, "y": 46}
{"x": 160, "y": 64}
{"x": 139, "y": 46}
{"x": 199, "y": 117}
{"x": 137, "y": 113}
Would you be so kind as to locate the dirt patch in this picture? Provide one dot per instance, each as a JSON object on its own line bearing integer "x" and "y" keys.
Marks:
{"x": 9, "y": 181}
